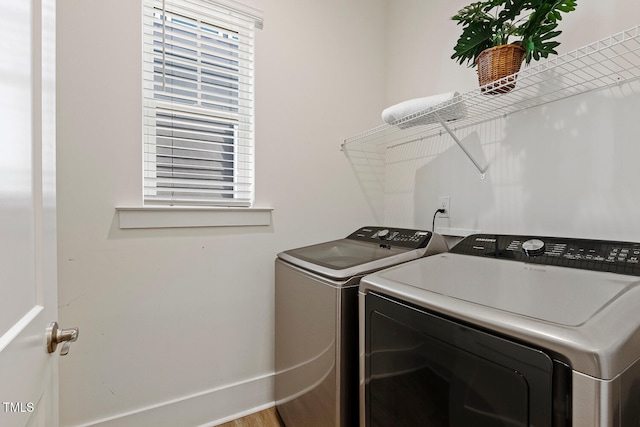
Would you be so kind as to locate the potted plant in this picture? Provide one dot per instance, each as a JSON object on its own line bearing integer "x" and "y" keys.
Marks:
{"x": 499, "y": 34}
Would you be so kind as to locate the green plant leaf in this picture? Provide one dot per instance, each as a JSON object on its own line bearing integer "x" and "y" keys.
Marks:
{"x": 472, "y": 14}
{"x": 472, "y": 41}
{"x": 566, "y": 5}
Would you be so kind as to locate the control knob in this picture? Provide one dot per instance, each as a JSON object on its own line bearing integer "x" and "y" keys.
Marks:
{"x": 383, "y": 234}
{"x": 533, "y": 247}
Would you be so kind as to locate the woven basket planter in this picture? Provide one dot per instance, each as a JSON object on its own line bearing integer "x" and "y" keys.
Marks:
{"x": 496, "y": 63}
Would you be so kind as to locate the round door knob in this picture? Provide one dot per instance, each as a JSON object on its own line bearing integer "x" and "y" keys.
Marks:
{"x": 533, "y": 247}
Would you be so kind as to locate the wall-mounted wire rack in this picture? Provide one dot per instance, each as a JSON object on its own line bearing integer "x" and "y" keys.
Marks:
{"x": 604, "y": 63}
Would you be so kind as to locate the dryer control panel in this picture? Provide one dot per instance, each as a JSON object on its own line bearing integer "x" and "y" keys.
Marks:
{"x": 404, "y": 237}
{"x": 598, "y": 255}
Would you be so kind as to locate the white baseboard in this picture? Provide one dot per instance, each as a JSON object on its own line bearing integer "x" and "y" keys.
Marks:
{"x": 205, "y": 409}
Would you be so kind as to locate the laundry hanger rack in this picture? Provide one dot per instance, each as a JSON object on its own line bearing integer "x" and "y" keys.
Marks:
{"x": 608, "y": 62}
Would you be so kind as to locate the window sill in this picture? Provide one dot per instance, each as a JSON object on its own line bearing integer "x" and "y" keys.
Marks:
{"x": 176, "y": 217}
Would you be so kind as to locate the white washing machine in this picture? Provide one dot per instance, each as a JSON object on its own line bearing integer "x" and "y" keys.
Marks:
{"x": 504, "y": 331}
{"x": 316, "y": 320}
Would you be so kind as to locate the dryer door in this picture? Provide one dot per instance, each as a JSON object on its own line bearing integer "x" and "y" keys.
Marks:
{"x": 422, "y": 369}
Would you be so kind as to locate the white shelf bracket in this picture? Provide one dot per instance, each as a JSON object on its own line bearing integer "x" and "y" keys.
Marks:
{"x": 462, "y": 147}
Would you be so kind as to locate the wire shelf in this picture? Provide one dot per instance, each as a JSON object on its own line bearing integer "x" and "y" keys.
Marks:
{"x": 605, "y": 63}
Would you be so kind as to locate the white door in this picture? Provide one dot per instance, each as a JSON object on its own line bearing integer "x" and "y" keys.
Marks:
{"x": 28, "y": 291}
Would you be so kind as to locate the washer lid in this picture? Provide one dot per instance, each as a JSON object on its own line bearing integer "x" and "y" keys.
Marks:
{"x": 344, "y": 258}
{"x": 367, "y": 249}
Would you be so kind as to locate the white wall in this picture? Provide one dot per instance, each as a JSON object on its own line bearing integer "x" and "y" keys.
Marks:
{"x": 566, "y": 169}
{"x": 176, "y": 325}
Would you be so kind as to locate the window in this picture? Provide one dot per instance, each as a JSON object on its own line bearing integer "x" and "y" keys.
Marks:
{"x": 198, "y": 103}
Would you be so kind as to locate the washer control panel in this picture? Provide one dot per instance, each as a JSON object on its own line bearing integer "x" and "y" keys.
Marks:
{"x": 386, "y": 236}
{"x": 598, "y": 255}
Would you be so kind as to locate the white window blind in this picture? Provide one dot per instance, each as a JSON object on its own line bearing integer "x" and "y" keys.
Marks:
{"x": 198, "y": 104}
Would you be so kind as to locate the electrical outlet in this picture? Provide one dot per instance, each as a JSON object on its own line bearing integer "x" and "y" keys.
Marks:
{"x": 445, "y": 204}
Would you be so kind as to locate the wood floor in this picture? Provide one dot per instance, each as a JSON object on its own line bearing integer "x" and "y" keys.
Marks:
{"x": 266, "y": 418}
